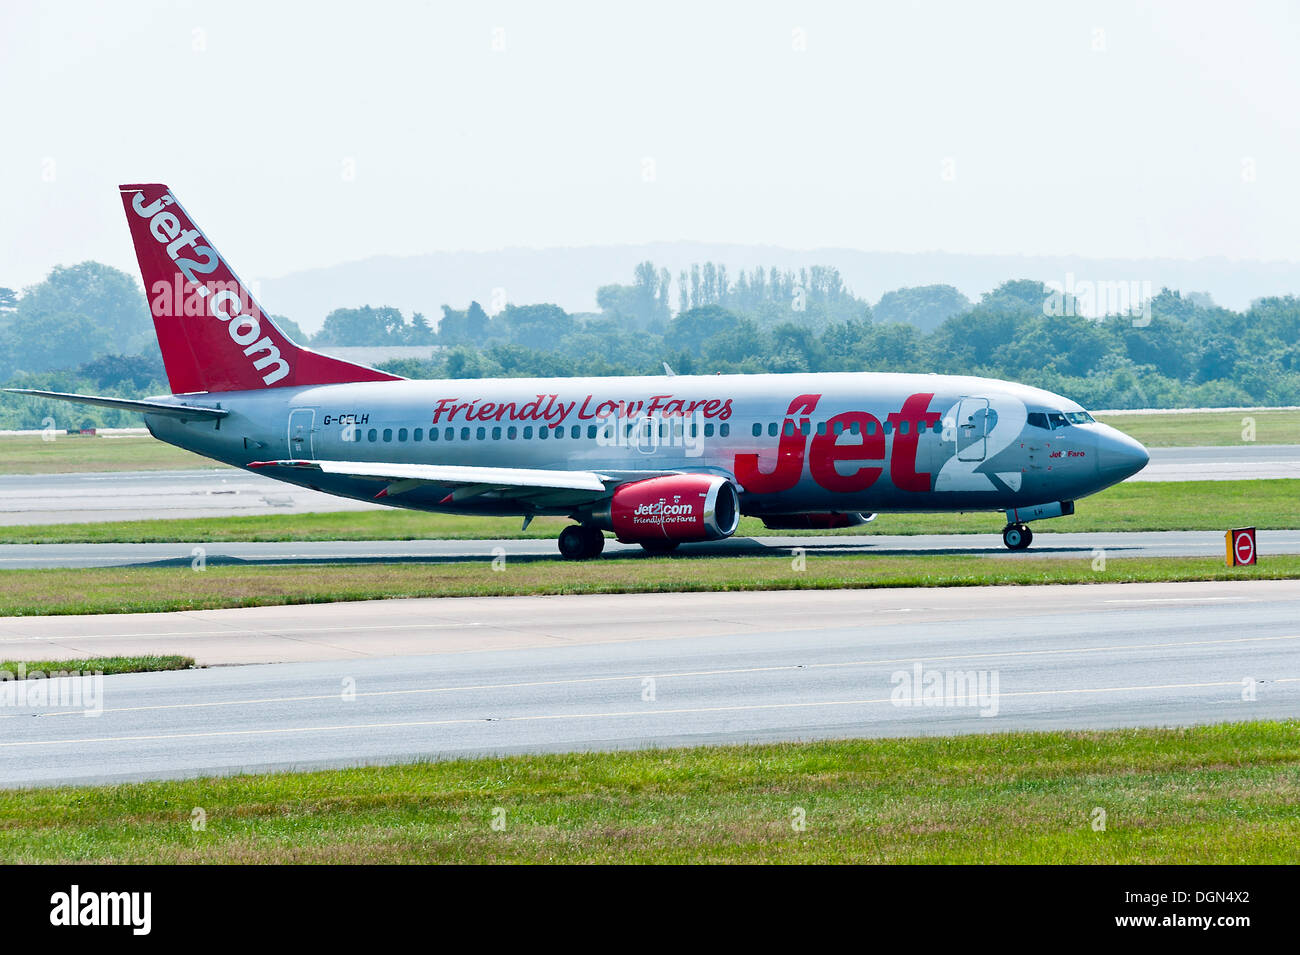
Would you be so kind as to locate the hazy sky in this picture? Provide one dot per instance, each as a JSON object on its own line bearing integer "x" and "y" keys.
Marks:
{"x": 303, "y": 135}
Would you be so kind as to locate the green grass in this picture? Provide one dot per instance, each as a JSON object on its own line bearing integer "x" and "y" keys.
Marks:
{"x": 161, "y": 589}
{"x": 1209, "y": 429}
{"x": 39, "y": 669}
{"x": 29, "y": 454}
{"x": 1132, "y": 506}
{"x": 1212, "y": 794}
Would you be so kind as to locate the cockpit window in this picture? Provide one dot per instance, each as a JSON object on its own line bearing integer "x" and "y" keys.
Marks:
{"x": 1037, "y": 419}
{"x": 1079, "y": 417}
{"x": 1056, "y": 419}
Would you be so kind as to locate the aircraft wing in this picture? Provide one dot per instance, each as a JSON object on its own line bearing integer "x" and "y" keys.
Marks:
{"x": 540, "y": 486}
{"x": 185, "y": 412}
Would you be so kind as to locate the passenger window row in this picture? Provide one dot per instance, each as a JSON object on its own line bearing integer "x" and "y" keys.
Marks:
{"x": 675, "y": 429}
{"x": 805, "y": 427}
{"x": 1037, "y": 419}
{"x": 527, "y": 432}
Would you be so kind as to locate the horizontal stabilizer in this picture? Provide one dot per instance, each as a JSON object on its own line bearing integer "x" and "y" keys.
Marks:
{"x": 187, "y": 412}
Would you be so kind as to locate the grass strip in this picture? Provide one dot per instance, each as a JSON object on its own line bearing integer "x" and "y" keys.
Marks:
{"x": 1211, "y": 794}
{"x": 43, "y": 669}
{"x": 170, "y": 588}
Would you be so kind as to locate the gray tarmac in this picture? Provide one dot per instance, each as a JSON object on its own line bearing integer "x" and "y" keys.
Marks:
{"x": 1061, "y": 546}
{"x": 27, "y": 499}
{"x": 1234, "y": 463}
{"x": 395, "y": 681}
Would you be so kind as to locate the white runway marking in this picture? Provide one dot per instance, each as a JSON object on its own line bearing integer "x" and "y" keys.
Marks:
{"x": 431, "y": 625}
{"x": 1171, "y": 600}
{"x": 347, "y": 727}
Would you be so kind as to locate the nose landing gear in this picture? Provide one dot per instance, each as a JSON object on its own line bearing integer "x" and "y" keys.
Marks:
{"x": 1017, "y": 536}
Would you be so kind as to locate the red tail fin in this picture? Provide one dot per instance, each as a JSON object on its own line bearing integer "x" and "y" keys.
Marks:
{"x": 213, "y": 336}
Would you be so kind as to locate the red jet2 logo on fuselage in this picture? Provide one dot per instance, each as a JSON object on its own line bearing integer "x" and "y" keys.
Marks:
{"x": 824, "y": 451}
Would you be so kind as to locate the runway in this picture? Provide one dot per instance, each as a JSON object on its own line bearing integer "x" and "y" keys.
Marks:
{"x": 27, "y": 499}
{"x": 1082, "y": 546}
{"x": 217, "y": 492}
{"x": 1242, "y": 462}
{"x": 412, "y": 679}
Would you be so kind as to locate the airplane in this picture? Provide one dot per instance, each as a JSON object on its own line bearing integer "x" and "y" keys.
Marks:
{"x": 656, "y": 460}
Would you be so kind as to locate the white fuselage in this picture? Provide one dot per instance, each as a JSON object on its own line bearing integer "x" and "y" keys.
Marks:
{"x": 792, "y": 443}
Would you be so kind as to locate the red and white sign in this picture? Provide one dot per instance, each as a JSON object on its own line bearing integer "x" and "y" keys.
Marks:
{"x": 1241, "y": 546}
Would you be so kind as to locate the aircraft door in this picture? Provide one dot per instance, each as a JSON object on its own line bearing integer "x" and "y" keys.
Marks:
{"x": 647, "y": 435}
{"x": 972, "y": 429}
{"x": 301, "y": 424}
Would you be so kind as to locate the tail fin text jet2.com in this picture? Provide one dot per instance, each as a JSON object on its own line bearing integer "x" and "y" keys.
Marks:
{"x": 657, "y": 460}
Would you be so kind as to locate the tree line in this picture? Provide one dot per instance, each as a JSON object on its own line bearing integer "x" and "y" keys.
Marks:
{"x": 87, "y": 328}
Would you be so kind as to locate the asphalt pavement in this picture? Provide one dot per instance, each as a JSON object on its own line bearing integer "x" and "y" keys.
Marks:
{"x": 395, "y": 681}
{"x": 1045, "y": 544}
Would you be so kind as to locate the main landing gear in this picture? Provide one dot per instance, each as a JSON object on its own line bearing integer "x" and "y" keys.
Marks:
{"x": 581, "y": 542}
{"x": 1017, "y": 536}
{"x": 585, "y": 541}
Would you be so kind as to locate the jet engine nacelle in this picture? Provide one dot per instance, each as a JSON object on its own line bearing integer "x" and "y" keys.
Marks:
{"x": 814, "y": 521}
{"x": 676, "y": 507}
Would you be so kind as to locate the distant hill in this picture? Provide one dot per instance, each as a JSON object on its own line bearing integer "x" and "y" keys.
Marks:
{"x": 569, "y": 277}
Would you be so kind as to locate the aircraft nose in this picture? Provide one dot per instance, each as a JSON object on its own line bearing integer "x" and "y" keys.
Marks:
{"x": 1119, "y": 456}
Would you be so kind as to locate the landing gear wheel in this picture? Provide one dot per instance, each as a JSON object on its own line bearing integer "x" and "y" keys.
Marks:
{"x": 659, "y": 547}
{"x": 595, "y": 539}
{"x": 581, "y": 542}
{"x": 1017, "y": 536}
